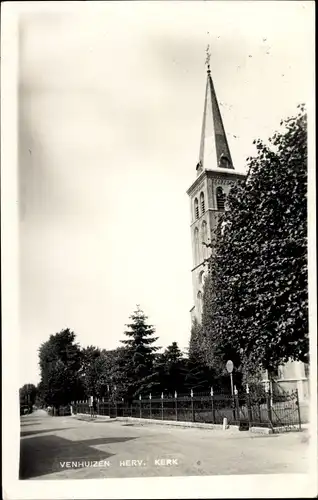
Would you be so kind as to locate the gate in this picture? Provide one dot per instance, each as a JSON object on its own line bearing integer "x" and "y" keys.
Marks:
{"x": 286, "y": 411}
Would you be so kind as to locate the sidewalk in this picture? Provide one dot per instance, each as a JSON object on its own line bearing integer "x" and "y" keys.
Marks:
{"x": 196, "y": 425}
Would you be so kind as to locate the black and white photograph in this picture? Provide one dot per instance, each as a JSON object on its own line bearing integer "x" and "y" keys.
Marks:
{"x": 158, "y": 249}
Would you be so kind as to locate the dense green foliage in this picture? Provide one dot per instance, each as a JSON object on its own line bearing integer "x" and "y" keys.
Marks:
{"x": 169, "y": 371}
{"x": 70, "y": 373}
{"x": 27, "y": 394}
{"x": 90, "y": 370}
{"x": 60, "y": 362}
{"x": 255, "y": 300}
{"x": 196, "y": 344}
{"x": 139, "y": 354}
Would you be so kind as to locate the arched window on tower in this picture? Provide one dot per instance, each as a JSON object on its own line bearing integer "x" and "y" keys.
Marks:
{"x": 196, "y": 246}
{"x": 202, "y": 203}
{"x": 204, "y": 239}
{"x": 220, "y": 198}
{"x": 196, "y": 208}
{"x": 224, "y": 161}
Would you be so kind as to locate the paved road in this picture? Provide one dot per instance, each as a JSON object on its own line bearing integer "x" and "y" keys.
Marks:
{"x": 118, "y": 449}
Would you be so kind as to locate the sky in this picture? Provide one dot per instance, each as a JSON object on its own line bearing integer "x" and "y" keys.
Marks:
{"x": 111, "y": 99}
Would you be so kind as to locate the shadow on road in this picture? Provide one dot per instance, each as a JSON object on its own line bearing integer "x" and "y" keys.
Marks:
{"x": 43, "y": 455}
{"x": 42, "y": 431}
{"x": 31, "y": 418}
{"x": 37, "y": 422}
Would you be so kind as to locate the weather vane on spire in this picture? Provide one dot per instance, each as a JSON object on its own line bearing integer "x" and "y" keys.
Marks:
{"x": 208, "y": 57}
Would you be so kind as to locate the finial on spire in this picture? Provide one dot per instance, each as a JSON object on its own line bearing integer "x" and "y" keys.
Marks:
{"x": 208, "y": 57}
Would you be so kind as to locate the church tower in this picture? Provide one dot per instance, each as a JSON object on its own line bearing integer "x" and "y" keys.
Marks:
{"x": 215, "y": 175}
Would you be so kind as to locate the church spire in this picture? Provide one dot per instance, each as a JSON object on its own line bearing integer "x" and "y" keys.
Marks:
{"x": 214, "y": 149}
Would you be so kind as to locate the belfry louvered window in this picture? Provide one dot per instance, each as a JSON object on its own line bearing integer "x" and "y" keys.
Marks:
{"x": 202, "y": 203}
{"x": 196, "y": 208}
{"x": 220, "y": 198}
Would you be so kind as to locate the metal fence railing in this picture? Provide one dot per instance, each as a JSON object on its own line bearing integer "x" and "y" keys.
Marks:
{"x": 247, "y": 410}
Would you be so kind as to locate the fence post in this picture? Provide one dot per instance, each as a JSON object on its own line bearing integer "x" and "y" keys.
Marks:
{"x": 192, "y": 406}
{"x": 268, "y": 404}
{"x": 237, "y": 405}
{"x": 140, "y": 412}
{"x": 162, "y": 406}
{"x": 249, "y": 408}
{"x": 298, "y": 409}
{"x": 212, "y": 406}
{"x": 176, "y": 404}
{"x": 115, "y": 395}
{"x": 108, "y": 399}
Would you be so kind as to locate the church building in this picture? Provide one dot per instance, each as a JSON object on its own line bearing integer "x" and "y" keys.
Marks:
{"x": 215, "y": 176}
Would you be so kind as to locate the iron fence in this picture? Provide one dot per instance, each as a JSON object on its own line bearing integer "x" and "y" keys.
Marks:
{"x": 261, "y": 409}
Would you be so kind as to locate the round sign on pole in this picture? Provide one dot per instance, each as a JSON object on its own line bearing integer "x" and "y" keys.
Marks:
{"x": 229, "y": 366}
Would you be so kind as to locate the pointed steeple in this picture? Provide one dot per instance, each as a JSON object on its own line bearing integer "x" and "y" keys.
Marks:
{"x": 214, "y": 148}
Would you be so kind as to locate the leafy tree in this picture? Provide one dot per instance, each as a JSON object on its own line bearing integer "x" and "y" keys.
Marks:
{"x": 206, "y": 363}
{"x": 40, "y": 395}
{"x": 139, "y": 353}
{"x": 60, "y": 362}
{"x": 255, "y": 300}
{"x": 90, "y": 371}
{"x": 112, "y": 381}
{"x": 27, "y": 393}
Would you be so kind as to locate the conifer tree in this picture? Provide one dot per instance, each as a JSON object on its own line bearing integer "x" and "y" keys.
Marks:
{"x": 139, "y": 353}
{"x": 170, "y": 370}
